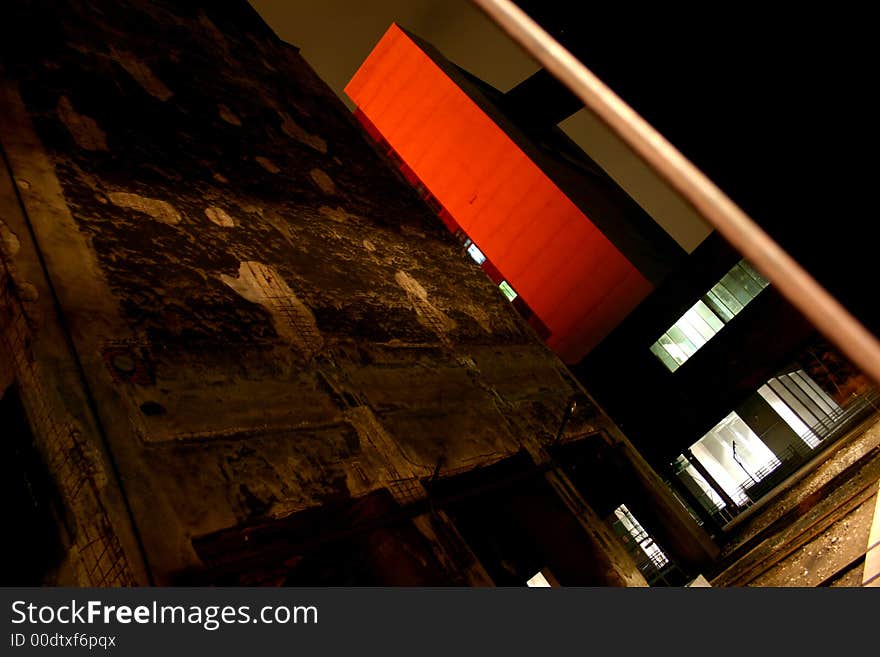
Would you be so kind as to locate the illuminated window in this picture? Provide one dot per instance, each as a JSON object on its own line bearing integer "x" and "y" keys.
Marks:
{"x": 709, "y": 315}
{"x": 505, "y": 288}
{"x": 802, "y": 405}
{"x": 476, "y": 254}
{"x": 649, "y": 553}
{"x": 538, "y": 581}
{"x": 735, "y": 457}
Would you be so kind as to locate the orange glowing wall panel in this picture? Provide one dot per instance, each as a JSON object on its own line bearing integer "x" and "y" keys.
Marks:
{"x": 565, "y": 269}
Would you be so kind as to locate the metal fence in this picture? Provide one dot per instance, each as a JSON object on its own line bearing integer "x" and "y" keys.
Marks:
{"x": 816, "y": 439}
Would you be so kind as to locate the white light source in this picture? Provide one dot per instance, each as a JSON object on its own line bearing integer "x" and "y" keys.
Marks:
{"x": 538, "y": 580}
{"x": 476, "y": 254}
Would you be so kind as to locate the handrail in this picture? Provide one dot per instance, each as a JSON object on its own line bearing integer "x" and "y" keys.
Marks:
{"x": 794, "y": 282}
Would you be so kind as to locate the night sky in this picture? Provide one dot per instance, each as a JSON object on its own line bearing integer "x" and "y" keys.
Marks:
{"x": 775, "y": 106}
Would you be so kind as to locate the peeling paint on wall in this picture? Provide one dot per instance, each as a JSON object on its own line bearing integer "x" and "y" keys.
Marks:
{"x": 267, "y": 164}
{"x": 292, "y": 129}
{"x": 84, "y": 130}
{"x": 480, "y": 316}
{"x": 9, "y": 241}
{"x": 212, "y": 30}
{"x": 229, "y": 116}
{"x": 143, "y": 75}
{"x": 219, "y": 217}
{"x": 293, "y": 321}
{"x": 371, "y": 433}
{"x": 428, "y": 315}
{"x": 159, "y": 210}
{"x": 336, "y": 214}
{"x": 266, "y": 369}
{"x": 323, "y": 181}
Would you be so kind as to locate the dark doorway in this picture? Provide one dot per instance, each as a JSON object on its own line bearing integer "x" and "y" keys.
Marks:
{"x": 607, "y": 481}
{"x": 31, "y": 547}
{"x": 518, "y": 526}
{"x": 365, "y": 541}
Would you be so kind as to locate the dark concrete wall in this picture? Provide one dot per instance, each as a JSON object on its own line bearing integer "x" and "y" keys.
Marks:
{"x": 222, "y": 302}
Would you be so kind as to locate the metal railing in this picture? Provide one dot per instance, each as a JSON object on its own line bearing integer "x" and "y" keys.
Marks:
{"x": 651, "y": 561}
{"x": 826, "y": 313}
{"x": 815, "y": 439}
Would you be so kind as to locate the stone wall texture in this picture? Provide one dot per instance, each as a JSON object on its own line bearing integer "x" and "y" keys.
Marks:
{"x": 222, "y": 307}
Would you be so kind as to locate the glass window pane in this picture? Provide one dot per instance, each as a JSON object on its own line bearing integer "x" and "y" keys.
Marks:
{"x": 741, "y": 285}
{"x": 707, "y": 495}
{"x": 805, "y": 394}
{"x": 820, "y": 394}
{"x": 682, "y": 341}
{"x": 718, "y": 306}
{"x": 726, "y": 298}
{"x": 476, "y": 254}
{"x": 673, "y": 349}
{"x": 661, "y": 353}
{"x": 793, "y": 402}
{"x": 751, "y": 271}
{"x": 508, "y": 292}
{"x": 708, "y": 316}
{"x": 788, "y": 416}
{"x": 695, "y": 318}
{"x": 691, "y": 332}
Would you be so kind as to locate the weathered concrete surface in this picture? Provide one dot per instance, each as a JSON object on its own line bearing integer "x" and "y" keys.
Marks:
{"x": 95, "y": 528}
{"x": 261, "y": 316}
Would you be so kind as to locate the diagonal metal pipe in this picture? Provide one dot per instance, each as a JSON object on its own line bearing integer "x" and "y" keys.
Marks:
{"x": 793, "y": 281}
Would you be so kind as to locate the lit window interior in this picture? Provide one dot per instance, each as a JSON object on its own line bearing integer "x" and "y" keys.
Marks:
{"x": 801, "y": 403}
{"x": 682, "y": 464}
{"x": 641, "y": 537}
{"x": 508, "y": 292}
{"x": 709, "y": 315}
{"x": 735, "y": 457}
{"x": 476, "y": 254}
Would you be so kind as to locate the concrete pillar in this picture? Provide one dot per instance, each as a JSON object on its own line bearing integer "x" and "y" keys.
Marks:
{"x": 608, "y": 558}
{"x": 728, "y": 500}
{"x": 451, "y": 550}
{"x": 672, "y": 525}
{"x": 694, "y": 502}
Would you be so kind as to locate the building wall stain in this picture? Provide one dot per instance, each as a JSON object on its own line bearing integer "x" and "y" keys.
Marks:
{"x": 284, "y": 322}
{"x": 85, "y": 131}
{"x": 143, "y": 75}
{"x": 219, "y": 216}
{"x": 157, "y": 209}
{"x": 293, "y": 321}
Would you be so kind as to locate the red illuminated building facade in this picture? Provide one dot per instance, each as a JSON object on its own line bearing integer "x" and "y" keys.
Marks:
{"x": 572, "y": 251}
